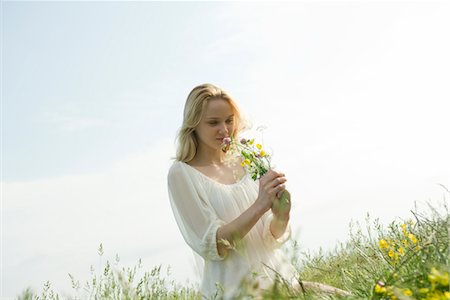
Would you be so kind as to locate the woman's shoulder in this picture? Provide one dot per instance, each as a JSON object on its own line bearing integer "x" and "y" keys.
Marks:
{"x": 176, "y": 169}
{"x": 179, "y": 169}
{"x": 180, "y": 174}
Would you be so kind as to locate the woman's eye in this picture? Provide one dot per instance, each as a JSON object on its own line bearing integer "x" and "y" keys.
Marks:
{"x": 215, "y": 123}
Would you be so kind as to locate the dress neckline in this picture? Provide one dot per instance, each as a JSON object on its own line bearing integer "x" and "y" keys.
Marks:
{"x": 213, "y": 180}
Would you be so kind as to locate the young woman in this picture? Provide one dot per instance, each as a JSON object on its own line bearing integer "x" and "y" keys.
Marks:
{"x": 233, "y": 222}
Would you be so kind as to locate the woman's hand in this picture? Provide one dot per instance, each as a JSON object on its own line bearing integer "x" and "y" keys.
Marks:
{"x": 270, "y": 185}
{"x": 282, "y": 206}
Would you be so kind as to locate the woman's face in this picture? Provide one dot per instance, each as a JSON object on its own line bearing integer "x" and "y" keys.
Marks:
{"x": 216, "y": 123}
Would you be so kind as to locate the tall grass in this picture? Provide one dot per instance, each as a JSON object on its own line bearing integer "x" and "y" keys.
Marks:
{"x": 405, "y": 260}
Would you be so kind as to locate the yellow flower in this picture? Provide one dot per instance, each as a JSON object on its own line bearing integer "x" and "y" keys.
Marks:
{"x": 262, "y": 153}
{"x": 391, "y": 254}
{"x": 242, "y": 164}
{"x": 407, "y": 292}
{"x": 383, "y": 244}
{"x": 258, "y": 146}
{"x": 447, "y": 295}
{"x": 401, "y": 251}
{"x": 380, "y": 289}
{"x": 423, "y": 290}
{"x": 444, "y": 279}
{"x": 404, "y": 231}
{"x": 412, "y": 238}
{"x": 438, "y": 277}
{"x": 247, "y": 162}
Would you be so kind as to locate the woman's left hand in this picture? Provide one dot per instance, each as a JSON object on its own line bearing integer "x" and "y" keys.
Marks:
{"x": 281, "y": 207}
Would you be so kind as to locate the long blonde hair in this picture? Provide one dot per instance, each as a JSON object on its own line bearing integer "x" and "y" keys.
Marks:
{"x": 193, "y": 110}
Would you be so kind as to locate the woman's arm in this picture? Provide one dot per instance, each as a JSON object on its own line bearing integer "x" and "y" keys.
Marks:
{"x": 281, "y": 213}
{"x": 269, "y": 185}
{"x": 239, "y": 227}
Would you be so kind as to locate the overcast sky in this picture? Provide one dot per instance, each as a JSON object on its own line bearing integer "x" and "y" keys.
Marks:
{"x": 354, "y": 95}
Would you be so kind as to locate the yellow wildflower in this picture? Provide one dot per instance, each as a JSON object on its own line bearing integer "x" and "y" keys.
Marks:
{"x": 262, "y": 153}
{"x": 444, "y": 279}
{"x": 447, "y": 295}
{"x": 380, "y": 289}
{"x": 407, "y": 292}
{"x": 438, "y": 277}
{"x": 412, "y": 238}
{"x": 247, "y": 162}
{"x": 258, "y": 146}
{"x": 391, "y": 254}
{"x": 405, "y": 232}
{"x": 383, "y": 244}
{"x": 401, "y": 251}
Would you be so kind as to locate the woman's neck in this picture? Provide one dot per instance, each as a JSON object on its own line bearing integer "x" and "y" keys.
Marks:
{"x": 210, "y": 158}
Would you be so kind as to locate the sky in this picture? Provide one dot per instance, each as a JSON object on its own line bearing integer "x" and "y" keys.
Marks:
{"x": 354, "y": 96}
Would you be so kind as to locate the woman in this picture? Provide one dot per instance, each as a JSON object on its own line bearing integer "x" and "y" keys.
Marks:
{"x": 234, "y": 223}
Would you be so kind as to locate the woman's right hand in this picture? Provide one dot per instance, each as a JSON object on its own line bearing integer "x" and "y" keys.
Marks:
{"x": 270, "y": 185}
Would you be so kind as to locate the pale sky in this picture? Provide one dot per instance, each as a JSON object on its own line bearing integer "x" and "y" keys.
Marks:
{"x": 354, "y": 95}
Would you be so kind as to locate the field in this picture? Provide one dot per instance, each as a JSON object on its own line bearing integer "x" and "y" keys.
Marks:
{"x": 406, "y": 260}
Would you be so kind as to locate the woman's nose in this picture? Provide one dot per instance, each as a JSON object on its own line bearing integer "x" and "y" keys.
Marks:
{"x": 224, "y": 128}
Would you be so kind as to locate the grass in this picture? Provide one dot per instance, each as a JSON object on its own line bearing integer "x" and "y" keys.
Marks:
{"x": 406, "y": 260}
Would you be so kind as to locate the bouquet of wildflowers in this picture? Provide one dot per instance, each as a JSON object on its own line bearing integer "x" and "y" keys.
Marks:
{"x": 255, "y": 159}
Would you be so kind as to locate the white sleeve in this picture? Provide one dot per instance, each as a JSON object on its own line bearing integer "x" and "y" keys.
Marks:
{"x": 268, "y": 237}
{"x": 196, "y": 219}
{"x": 269, "y": 240}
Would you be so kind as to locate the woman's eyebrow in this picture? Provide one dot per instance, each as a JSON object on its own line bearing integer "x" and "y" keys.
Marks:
{"x": 209, "y": 118}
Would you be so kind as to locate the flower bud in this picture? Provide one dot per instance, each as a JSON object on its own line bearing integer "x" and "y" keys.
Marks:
{"x": 226, "y": 141}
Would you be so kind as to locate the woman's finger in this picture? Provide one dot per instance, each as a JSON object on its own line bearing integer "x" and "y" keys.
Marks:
{"x": 268, "y": 177}
{"x": 274, "y": 191}
{"x": 277, "y": 181}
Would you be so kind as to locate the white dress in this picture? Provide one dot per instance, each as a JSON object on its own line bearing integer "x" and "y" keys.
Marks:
{"x": 200, "y": 206}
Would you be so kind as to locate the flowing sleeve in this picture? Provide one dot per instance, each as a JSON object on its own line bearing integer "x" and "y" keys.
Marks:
{"x": 268, "y": 237}
{"x": 269, "y": 240}
{"x": 195, "y": 218}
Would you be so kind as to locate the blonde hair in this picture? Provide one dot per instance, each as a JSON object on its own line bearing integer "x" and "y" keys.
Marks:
{"x": 193, "y": 111}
